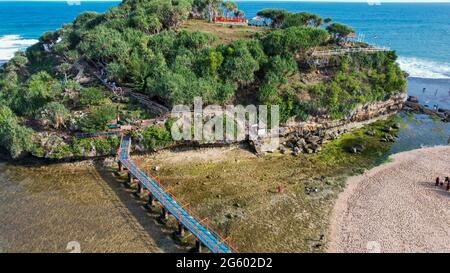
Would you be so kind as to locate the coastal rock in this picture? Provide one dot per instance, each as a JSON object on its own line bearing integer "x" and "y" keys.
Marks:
{"x": 315, "y": 148}
{"x": 357, "y": 148}
{"x": 387, "y": 138}
{"x": 313, "y": 139}
{"x": 396, "y": 125}
{"x": 413, "y": 99}
{"x": 301, "y": 142}
{"x": 371, "y": 133}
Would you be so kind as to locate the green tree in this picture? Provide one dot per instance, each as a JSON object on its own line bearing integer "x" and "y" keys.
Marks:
{"x": 212, "y": 7}
{"x": 14, "y": 138}
{"x": 276, "y": 16}
{"x": 339, "y": 32}
{"x": 230, "y": 7}
{"x": 290, "y": 40}
{"x": 40, "y": 89}
{"x": 208, "y": 62}
{"x": 102, "y": 43}
{"x": 156, "y": 137}
{"x": 303, "y": 19}
{"x": 98, "y": 118}
{"x": 91, "y": 96}
{"x": 149, "y": 24}
{"x": 239, "y": 65}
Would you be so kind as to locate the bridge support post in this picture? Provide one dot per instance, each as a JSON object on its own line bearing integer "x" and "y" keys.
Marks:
{"x": 151, "y": 200}
{"x": 198, "y": 246}
{"x": 139, "y": 190}
{"x": 180, "y": 230}
{"x": 164, "y": 214}
{"x": 130, "y": 179}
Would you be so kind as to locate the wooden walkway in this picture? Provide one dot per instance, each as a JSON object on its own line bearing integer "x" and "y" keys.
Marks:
{"x": 154, "y": 107}
{"x": 348, "y": 50}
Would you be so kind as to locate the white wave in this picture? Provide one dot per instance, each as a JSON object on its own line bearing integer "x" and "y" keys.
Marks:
{"x": 10, "y": 44}
{"x": 421, "y": 68}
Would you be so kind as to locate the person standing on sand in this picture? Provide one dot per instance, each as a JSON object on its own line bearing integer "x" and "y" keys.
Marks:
{"x": 447, "y": 179}
{"x": 437, "y": 181}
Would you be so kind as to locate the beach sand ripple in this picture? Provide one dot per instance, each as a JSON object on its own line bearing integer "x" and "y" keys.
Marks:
{"x": 396, "y": 207}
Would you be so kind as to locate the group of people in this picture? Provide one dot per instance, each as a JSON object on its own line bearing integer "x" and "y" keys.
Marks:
{"x": 441, "y": 183}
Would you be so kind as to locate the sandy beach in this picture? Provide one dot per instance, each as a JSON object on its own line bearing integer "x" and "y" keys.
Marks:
{"x": 395, "y": 207}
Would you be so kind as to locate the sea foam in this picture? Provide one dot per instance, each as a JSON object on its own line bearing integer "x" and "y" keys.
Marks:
{"x": 421, "y": 68}
{"x": 10, "y": 44}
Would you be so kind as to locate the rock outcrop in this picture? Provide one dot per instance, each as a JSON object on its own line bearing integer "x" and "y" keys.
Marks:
{"x": 307, "y": 136}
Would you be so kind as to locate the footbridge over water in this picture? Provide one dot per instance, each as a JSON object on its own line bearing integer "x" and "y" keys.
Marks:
{"x": 186, "y": 220}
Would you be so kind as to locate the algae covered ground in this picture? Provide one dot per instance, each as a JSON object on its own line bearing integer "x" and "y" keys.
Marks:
{"x": 273, "y": 203}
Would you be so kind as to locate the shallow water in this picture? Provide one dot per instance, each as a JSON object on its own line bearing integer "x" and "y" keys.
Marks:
{"x": 54, "y": 208}
{"x": 419, "y": 130}
{"x": 436, "y": 92}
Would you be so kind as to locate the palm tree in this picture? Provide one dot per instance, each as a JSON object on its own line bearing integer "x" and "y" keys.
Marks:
{"x": 212, "y": 7}
{"x": 229, "y": 7}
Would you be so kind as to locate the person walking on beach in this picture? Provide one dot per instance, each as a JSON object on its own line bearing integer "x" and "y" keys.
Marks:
{"x": 437, "y": 181}
{"x": 447, "y": 179}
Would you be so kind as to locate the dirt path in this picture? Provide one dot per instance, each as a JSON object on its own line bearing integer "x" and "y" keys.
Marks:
{"x": 396, "y": 207}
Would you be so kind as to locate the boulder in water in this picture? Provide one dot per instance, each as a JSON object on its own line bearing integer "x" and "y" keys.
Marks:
{"x": 413, "y": 99}
{"x": 357, "y": 148}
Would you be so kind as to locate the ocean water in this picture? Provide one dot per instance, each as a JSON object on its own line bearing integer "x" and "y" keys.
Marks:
{"x": 420, "y": 33}
{"x": 22, "y": 23}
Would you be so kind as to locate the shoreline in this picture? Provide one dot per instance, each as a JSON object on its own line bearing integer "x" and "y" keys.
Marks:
{"x": 363, "y": 209}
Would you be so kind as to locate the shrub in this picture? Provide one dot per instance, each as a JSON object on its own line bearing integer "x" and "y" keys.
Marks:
{"x": 54, "y": 114}
{"x": 40, "y": 90}
{"x": 98, "y": 118}
{"x": 16, "y": 139}
{"x": 156, "y": 137}
{"x": 91, "y": 96}
{"x": 290, "y": 40}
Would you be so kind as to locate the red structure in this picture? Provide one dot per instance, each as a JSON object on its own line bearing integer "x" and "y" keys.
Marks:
{"x": 221, "y": 19}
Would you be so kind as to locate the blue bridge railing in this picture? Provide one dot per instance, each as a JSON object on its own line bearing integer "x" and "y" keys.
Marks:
{"x": 202, "y": 232}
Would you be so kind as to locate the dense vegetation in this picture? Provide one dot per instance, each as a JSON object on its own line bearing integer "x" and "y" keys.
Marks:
{"x": 141, "y": 45}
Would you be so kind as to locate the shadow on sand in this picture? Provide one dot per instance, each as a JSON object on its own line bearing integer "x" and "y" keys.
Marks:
{"x": 136, "y": 212}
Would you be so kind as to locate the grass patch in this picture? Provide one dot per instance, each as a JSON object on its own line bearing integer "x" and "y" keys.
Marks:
{"x": 224, "y": 33}
{"x": 237, "y": 191}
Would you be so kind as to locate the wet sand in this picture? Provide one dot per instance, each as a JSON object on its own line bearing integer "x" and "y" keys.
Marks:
{"x": 44, "y": 208}
{"x": 395, "y": 207}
